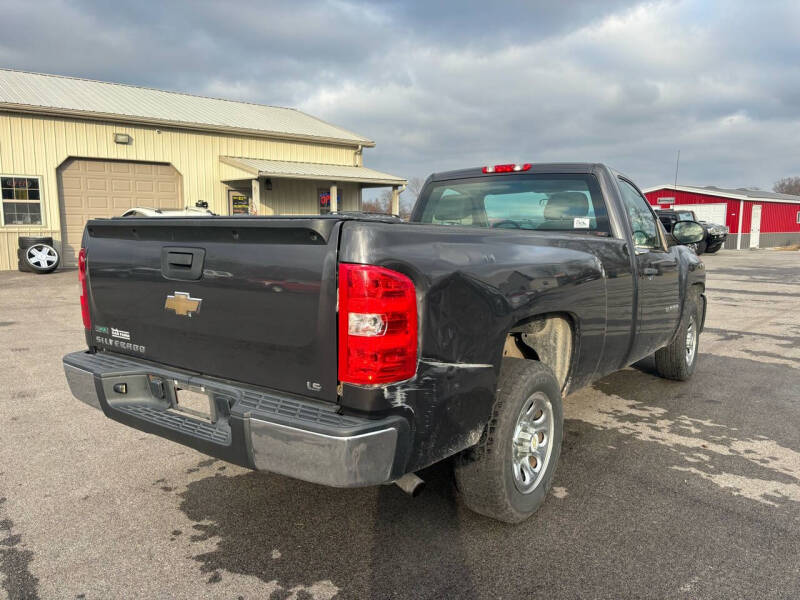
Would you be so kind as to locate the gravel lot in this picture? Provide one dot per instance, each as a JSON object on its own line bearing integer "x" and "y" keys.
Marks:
{"x": 664, "y": 489}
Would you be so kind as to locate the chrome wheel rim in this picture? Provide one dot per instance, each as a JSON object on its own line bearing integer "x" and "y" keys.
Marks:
{"x": 532, "y": 444}
{"x": 42, "y": 256}
{"x": 691, "y": 341}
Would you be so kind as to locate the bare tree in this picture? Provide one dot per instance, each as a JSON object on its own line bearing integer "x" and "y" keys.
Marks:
{"x": 409, "y": 197}
{"x": 787, "y": 185}
{"x": 415, "y": 186}
{"x": 381, "y": 204}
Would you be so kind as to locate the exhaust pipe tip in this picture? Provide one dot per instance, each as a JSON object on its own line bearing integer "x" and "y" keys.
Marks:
{"x": 411, "y": 484}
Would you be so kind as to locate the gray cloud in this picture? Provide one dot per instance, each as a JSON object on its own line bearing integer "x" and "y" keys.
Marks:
{"x": 442, "y": 85}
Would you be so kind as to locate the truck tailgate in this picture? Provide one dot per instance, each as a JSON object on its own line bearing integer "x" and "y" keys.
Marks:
{"x": 247, "y": 299}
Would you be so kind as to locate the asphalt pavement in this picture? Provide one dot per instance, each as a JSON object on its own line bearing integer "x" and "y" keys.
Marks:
{"x": 664, "y": 489}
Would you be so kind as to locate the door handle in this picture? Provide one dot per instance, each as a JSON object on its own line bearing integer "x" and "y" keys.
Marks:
{"x": 182, "y": 263}
{"x": 181, "y": 259}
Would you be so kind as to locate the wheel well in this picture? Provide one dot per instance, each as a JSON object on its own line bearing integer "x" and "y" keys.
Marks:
{"x": 546, "y": 338}
{"x": 701, "y": 288}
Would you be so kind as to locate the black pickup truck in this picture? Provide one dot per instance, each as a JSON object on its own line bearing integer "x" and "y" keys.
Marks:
{"x": 354, "y": 350}
{"x": 715, "y": 235}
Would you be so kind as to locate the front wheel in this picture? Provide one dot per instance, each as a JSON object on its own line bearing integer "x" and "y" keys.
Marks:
{"x": 679, "y": 359}
{"x": 508, "y": 474}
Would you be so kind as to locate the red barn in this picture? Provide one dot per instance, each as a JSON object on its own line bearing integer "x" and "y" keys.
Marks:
{"x": 756, "y": 219}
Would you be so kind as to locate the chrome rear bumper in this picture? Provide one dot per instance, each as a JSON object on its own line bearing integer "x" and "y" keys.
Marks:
{"x": 256, "y": 428}
{"x": 346, "y": 461}
{"x": 81, "y": 384}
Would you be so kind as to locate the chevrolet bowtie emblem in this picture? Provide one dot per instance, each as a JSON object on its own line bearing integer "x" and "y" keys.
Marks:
{"x": 183, "y": 304}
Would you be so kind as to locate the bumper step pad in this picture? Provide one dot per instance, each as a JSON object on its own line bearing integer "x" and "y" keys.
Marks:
{"x": 204, "y": 431}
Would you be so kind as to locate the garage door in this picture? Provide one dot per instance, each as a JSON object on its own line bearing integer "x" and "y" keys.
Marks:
{"x": 107, "y": 188}
{"x": 713, "y": 213}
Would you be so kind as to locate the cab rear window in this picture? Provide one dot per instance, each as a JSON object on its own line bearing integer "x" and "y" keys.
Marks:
{"x": 543, "y": 202}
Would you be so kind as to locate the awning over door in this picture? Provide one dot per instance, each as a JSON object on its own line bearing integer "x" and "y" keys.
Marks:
{"x": 257, "y": 167}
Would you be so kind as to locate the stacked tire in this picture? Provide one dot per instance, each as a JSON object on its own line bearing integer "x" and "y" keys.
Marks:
{"x": 37, "y": 255}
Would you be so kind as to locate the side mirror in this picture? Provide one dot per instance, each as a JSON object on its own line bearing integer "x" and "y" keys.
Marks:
{"x": 688, "y": 232}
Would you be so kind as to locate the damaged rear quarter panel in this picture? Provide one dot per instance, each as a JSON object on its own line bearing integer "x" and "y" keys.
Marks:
{"x": 472, "y": 286}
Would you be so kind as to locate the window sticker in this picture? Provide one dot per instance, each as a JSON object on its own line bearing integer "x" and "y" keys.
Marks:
{"x": 580, "y": 223}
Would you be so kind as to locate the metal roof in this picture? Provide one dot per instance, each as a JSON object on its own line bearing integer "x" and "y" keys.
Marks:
{"x": 301, "y": 170}
{"x": 69, "y": 96}
{"x": 735, "y": 193}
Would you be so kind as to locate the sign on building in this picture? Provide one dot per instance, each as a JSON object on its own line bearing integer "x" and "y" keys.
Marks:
{"x": 324, "y": 201}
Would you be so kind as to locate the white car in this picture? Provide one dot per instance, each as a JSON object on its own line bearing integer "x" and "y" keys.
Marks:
{"x": 157, "y": 212}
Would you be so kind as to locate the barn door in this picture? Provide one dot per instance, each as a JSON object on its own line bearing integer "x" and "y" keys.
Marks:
{"x": 755, "y": 226}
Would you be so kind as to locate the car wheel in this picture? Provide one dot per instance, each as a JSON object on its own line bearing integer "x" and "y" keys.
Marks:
{"x": 40, "y": 258}
{"x": 679, "y": 359}
{"x": 713, "y": 249}
{"x": 701, "y": 247}
{"x": 508, "y": 474}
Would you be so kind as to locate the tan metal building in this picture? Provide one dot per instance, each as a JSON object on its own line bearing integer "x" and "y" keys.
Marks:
{"x": 73, "y": 149}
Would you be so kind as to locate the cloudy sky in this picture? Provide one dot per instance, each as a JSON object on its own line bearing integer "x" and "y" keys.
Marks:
{"x": 441, "y": 85}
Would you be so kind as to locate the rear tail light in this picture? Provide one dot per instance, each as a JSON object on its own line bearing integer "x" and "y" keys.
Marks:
{"x": 507, "y": 168}
{"x": 377, "y": 325}
{"x": 87, "y": 320}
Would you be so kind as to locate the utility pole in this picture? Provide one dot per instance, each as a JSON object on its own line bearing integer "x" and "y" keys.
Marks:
{"x": 677, "y": 163}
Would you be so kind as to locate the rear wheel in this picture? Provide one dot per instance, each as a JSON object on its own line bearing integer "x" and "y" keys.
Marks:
{"x": 508, "y": 474}
{"x": 678, "y": 360}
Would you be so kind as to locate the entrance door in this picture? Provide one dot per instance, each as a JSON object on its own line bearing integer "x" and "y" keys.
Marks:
{"x": 239, "y": 202}
{"x": 755, "y": 226}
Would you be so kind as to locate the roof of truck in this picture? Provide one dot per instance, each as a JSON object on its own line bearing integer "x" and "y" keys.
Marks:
{"x": 534, "y": 168}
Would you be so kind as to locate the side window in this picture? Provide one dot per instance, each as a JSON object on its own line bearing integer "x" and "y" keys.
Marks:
{"x": 643, "y": 223}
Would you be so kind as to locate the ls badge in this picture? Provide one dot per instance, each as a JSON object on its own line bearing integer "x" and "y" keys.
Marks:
{"x": 183, "y": 304}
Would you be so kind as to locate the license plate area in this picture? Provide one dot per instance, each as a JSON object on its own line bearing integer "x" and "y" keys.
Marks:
{"x": 195, "y": 402}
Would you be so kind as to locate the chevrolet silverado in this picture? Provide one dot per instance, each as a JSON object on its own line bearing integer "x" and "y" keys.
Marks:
{"x": 354, "y": 350}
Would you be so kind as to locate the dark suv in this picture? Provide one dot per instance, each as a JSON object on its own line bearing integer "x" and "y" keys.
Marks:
{"x": 714, "y": 234}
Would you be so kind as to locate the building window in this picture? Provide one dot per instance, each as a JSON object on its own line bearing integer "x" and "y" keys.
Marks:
{"x": 798, "y": 217}
{"x": 22, "y": 202}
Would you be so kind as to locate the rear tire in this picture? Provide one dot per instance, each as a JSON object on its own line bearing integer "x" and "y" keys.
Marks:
{"x": 28, "y": 241}
{"x": 678, "y": 360}
{"x": 508, "y": 474}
